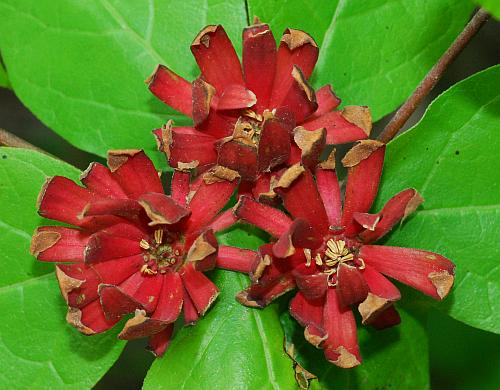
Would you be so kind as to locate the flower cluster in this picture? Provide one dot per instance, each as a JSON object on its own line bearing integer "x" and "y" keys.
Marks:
{"x": 259, "y": 127}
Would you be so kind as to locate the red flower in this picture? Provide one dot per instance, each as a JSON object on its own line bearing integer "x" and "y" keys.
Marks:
{"x": 326, "y": 252}
{"x": 245, "y": 115}
{"x": 134, "y": 249}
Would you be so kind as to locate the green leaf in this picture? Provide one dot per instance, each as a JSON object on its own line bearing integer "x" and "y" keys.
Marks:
{"x": 38, "y": 349}
{"x": 492, "y": 6}
{"x": 373, "y": 52}
{"x": 232, "y": 347}
{"x": 4, "y": 80}
{"x": 450, "y": 157}
{"x": 388, "y": 357}
{"x": 80, "y": 66}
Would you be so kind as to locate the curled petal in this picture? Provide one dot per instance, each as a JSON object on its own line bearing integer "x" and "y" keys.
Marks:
{"x": 171, "y": 89}
{"x": 274, "y": 144}
{"x": 312, "y": 283}
{"x": 309, "y": 313}
{"x": 99, "y": 179}
{"x": 200, "y": 289}
{"x": 162, "y": 209}
{"x": 56, "y": 243}
{"x": 239, "y": 156}
{"x": 190, "y": 312}
{"x": 236, "y": 97}
{"x": 260, "y": 295}
{"x": 326, "y": 99}
{"x": 351, "y": 286}
{"x": 159, "y": 342}
{"x": 300, "y": 234}
{"x": 223, "y": 221}
{"x": 311, "y": 144}
{"x": 216, "y": 58}
{"x": 300, "y": 99}
{"x": 428, "y": 272}
{"x": 180, "y": 187}
{"x": 203, "y": 251}
{"x": 389, "y": 317}
{"x": 236, "y": 259}
{"x": 90, "y": 319}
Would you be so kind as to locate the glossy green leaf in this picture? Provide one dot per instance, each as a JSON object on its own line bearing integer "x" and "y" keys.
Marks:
{"x": 38, "y": 349}
{"x": 450, "y": 157}
{"x": 388, "y": 357}
{"x": 4, "y": 80}
{"x": 80, "y": 66}
{"x": 492, "y": 6}
{"x": 372, "y": 52}
{"x": 232, "y": 347}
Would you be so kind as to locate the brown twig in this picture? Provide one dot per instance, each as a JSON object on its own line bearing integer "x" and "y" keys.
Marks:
{"x": 431, "y": 79}
{"x": 9, "y": 139}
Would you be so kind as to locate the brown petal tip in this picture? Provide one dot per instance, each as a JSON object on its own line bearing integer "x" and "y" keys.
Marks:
{"x": 359, "y": 116}
{"x": 345, "y": 358}
{"x": 41, "y": 194}
{"x": 412, "y": 204}
{"x": 262, "y": 263}
{"x": 74, "y": 318}
{"x": 116, "y": 158}
{"x": 290, "y": 175}
{"x": 210, "y": 303}
{"x": 243, "y": 298}
{"x": 329, "y": 163}
{"x": 371, "y": 307}
{"x": 138, "y": 319}
{"x": 67, "y": 283}
{"x": 303, "y": 84}
{"x": 203, "y": 36}
{"x": 297, "y": 38}
{"x": 186, "y": 167}
{"x": 314, "y": 339}
{"x": 200, "y": 249}
{"x": 361, "y": 151}
{"x": 43, "y": 240}
{"x": 443, "y": 281}
{"x": 220, "y": 174}
{"x": 164, "y": 138}
{"x": 309, "y": 142}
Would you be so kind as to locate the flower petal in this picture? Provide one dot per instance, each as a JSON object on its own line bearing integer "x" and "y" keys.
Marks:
{"x": 190, "y": 312}
{"x": 171, "y": 89}
{"x": 309, "y": 313}
{"x": 126, "y": 208}
{"x": 200, "y": 289}
{"x": 389, "y": 317}
{"x": 102, "y": 246}
{"x": 260, "y": 295}
{"x": 135, "y": 172}
{"x": 428, "y": 272}
{"x": 267, "y": 218}
{"x": 300, "y": 234}
{"x": 326, "y": 99}
{"x": 297, "y": 188}
{"x": 90, "y": 319}
{"x": 99, "y": 179}
{"x": 180, "y": 187}
{"x": 240, "y": 157}
{"x": 217, "y": 58}
{"x": 236, "y": 97}
{"x": 311, "y": 281}
{"x": 223, "y": 221}
{"x": 274, "y": 144}
{"x": 236, "y": 259}
{"x": 364, "y": 167}
{"x": 170, "y": 300}
{"x": 338, "y": 129}
{"x": 259, "y": 62}
{"x": 296, "y": 49}
{"x": 341, "y": 346}
{"x": 186, "y": 147}
{"x": 115, "y": 303}
{"x": 329, "y": 190}
{"x": 395, "y": 210}
{"x": 203, "y": 251}
{"x": 159, "y": 342}
{"x": 351, "y": 285}
{"x": 300, "y": 98}
{"x": 162, "y": 209}
{"x": 311, "y": 144}
{"x": 57, "y": 243}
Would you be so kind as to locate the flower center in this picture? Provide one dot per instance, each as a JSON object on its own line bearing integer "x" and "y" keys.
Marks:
{"x": 337, "y": 252}
{"x": 162, "y": 252}
{"x": 249, "y": 126}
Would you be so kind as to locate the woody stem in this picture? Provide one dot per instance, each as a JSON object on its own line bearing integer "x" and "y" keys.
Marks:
{"x": 431, "y": 79}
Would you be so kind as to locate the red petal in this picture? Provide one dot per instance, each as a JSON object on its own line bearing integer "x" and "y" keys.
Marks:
{"x": 98, "y": 179}
{"x": 56, "y": 243}
{"x": 389, "y": 317}
{"x": 274, "y": 144}
{"x": 202, "y": 251}
{"x": 89, "y": 319}
{"x": 235, "y": 97}
{"x": 223, "y": 221}
{"x": 207, "y": 201}
{"x": 341, "y": 346}
{"x": 426, "y": 271}
{"x": 326, "y": 99}
{"x": 260, "y": 295}
{"x": 190, "y": 313}
{"x": 338, "y": 129}
{"x": 135, "y": 172}
{"x": 102, "y": 246}
{"x": 200, "y": 289}
{"x": 311, "y": 281}
{"x": 216, "y": 58}
{"x": 309, "y": 313}
{"x": 311, "y": 145}
{"x": 125, "y": 229}
{"x": 267, "y": 218}
{"x": 352, "y": 287}
{"x": 379, "y": 285}
{"x": 236, "y": 259}
{"x": 297, "y": 188}
{"x": 115, "y": 302}
{"x": 171, "y": 89}
{"x": 300, "y": 234}
{"x": 259, "y": 62}
{"x": 185, "y": 146}
{"x": 147, "y": 290}
{"x": 329, "y": 190}
{"x": 240, "y": 157}
{"x": 296, "y": 49}
{"x": 162, "y": 209}
{"x": 159, "y": 342}
{"x": 180, "y": 187}
{"x": 170, "y": 300}
{"x": 364, "y": 162}
{"x": 63, "y": 200}
{"x": 204, "y": 100}
{"x": 300, "y": 98}
{"x": 126, "y": 208}
{"x": 396, "y": 209}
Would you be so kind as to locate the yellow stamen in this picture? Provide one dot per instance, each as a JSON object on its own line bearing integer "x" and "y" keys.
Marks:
{"x": 307, "y": 254}
{"x": 362, "y": 266}
{"x": 159, "y": 236}
{"x": 144, "y": 244}
{"x": 145, "y": 270}
{"x": 318, "y": 260}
